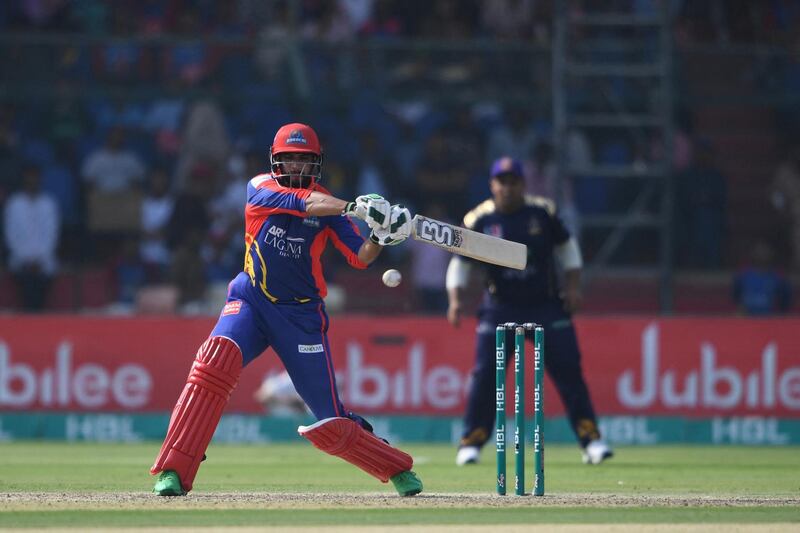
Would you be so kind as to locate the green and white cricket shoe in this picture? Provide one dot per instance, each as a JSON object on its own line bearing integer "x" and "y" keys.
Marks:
{"x": 168, "y": 484}
{"x": 468, "y": 455}
{"x": 407, "y": 483}
{"x": 596, "y": 452}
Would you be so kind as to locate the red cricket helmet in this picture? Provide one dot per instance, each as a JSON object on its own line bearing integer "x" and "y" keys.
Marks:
{"x": 296, "y": 138}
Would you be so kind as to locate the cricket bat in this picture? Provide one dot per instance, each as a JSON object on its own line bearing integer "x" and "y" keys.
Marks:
{"x": 462, "y": 241}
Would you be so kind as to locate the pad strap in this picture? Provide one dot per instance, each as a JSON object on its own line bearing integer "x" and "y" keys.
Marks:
{"x": 344, "y": 438}
{"x": 214, "y": 375}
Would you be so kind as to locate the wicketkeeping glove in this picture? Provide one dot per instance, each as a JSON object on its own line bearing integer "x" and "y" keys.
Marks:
{"x": 373, "y": 209}
{"x": 399, "y": 228}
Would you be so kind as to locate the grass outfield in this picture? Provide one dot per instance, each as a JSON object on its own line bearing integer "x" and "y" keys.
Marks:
{"x": 106, "y": 485}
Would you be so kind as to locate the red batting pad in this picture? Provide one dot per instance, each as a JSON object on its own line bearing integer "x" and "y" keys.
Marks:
{"x": 344, "y": 438}
{"x": 214, "y": 375}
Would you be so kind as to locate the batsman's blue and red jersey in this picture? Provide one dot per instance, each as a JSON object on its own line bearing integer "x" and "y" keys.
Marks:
{"x": 284, "y": 245}
{"x": 277, "y": 299}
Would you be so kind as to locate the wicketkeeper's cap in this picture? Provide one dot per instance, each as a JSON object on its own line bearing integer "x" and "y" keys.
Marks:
{"x": 506, "y": 165}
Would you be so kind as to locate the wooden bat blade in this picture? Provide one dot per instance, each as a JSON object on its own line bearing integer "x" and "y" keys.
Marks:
{"x": 469, "y": 243}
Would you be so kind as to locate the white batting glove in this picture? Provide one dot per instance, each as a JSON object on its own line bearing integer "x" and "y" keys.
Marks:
{"x": 373, "y": 209}
{"x": 399, "y": 228}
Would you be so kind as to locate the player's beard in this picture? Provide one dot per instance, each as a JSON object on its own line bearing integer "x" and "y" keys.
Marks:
{"x": 298, "y": 181}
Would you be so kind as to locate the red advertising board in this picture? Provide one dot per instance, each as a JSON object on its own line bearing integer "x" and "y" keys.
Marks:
{"x": 413, "y": 365}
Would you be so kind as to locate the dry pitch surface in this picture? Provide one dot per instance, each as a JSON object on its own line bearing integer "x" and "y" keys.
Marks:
{"x": 264, "y": 500}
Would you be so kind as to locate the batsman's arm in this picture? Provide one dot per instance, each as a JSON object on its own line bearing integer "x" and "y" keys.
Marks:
{"x": 369, "y": 251}
{"x": 320, "y": 205}
{"x": 569, "y": 255}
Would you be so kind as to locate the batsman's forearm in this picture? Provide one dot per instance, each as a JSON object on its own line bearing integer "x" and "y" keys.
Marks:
{"x": 369, "y": 251}
{"x": 455, "y": 295}
{"x": 320, "y": 205}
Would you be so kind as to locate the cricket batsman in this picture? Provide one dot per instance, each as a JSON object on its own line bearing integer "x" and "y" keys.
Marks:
{"x": 277, "y": 301}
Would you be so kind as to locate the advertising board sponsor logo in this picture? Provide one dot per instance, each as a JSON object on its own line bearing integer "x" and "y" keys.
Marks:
{"x": 88, "y": 385}
{"x": 710, "y": 383}
{"x": 432, "y": 388}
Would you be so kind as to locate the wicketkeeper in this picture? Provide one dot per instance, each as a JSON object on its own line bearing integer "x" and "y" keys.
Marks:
{"x": 530, "y": 295}
{"x": 277, "y": 301}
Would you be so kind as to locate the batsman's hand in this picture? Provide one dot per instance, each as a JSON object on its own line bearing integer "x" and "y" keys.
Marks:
{"x": 454, "y": 312}
{"x": 373, "y": 209}
{"x": 399, "y": 228}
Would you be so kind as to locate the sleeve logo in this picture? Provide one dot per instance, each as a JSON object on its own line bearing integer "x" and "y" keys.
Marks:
{"x": 232, "y": 308}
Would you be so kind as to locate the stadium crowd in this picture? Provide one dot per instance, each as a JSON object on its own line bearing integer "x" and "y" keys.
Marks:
{"x": 131, "y": 127}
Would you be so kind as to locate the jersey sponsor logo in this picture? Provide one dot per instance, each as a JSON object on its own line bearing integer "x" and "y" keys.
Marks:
{"x": 534, "y": 227}
{"x": 311, "y": 221}
{"x": 232, "y": 308}
{"x": 441, "y": 234}
{"x": 296, "y": 137}
{"x": 278, "y": 232}
{"x": 310, "y": 348}
{"x": 286, "y": 246}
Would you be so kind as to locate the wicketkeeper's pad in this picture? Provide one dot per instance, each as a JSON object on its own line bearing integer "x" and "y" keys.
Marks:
{"x": 345, "y": 438}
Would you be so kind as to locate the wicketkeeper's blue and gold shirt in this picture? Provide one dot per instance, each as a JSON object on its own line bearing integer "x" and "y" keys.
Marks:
{"x": 536, "y": 225}
{"x": 284, "y": 244}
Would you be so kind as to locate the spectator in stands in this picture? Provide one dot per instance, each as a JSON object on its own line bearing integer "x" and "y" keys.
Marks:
{"x": 372, "y": 165}
{"x": 32, "y": 224}
{"x": 543, "y": 17}
{"x": 114, "y": 176}
{"x": 10, "y": 157}
{"x": 330, "y": 23}
{"x": 162, "y": 120}
{"x": 385, "y": 21}
{"x": 701, "y": 203}
{"x": 113, "y": 168}
{"x": 357, "y": 12}
{"x": 67, "y": 122}
{"x": 429, "y": 266}
{"x": 123, "y": 59}
{"x": 510, "y": 20}
{"x": 760, "y": 289}
{"x": 130, "y": 275}
{"x": 515, "y": 137}
{"x": 189, "y": 271}
{"x": 157, "y": 206}
{"x": 269, "y": 56}
{"x": 439, "y": 179}
{"x": 50, "y": 15}
{"x": 191, "y": 211}
{"x": 542, "y": 179}
{"x": 204, "y": 140}
{"x": 785, "y": 197}
{"x": 450, "y": 19}
{"x": 406, "y": 151}
{"x": 188, "y": 60}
